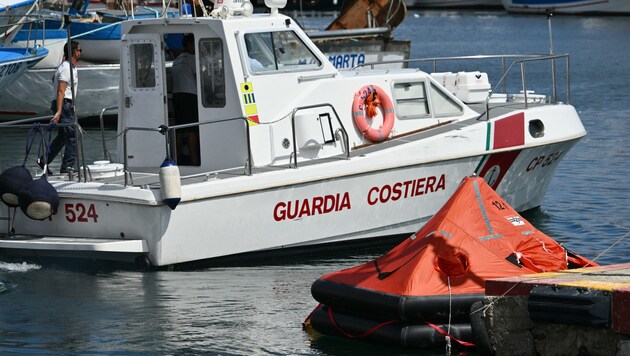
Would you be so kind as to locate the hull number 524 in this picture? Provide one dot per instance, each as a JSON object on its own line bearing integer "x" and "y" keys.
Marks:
{"x": 80, "y": 213}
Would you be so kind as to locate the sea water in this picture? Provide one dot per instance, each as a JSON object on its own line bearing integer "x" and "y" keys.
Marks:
{"x": 257, "y": 308}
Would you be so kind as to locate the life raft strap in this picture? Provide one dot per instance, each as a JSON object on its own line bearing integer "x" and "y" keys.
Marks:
{"x": 364, "y": 334}
{"x": 461, "y": 342}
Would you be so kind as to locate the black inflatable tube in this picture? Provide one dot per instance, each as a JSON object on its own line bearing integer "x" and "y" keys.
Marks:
{"x": 397, "y": 334}
{"x": 387, "y": 306}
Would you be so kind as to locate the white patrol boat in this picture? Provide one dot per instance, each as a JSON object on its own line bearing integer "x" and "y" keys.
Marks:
{"x": 287, "y": 150}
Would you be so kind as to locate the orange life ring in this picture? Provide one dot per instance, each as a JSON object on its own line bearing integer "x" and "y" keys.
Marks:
{"x": 365, "y": 101}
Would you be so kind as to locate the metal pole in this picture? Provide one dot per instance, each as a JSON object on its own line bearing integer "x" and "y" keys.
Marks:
{"x": 553, "y": 61}
{"x": 77, "y": 136}
{"x": 524, "y": 85}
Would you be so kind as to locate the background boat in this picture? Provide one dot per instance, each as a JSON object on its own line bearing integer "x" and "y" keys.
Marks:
{"x": 257, "y": 306}
{"x": 568, "y": 6}
{"x": 51, "y": 39}
{"x": 14, "y": 62}
{"x": 452, "y": 3}
{"x": 12, "y": 17}
{"x": 30, "y": 96}
{"x": 98, "y": 31}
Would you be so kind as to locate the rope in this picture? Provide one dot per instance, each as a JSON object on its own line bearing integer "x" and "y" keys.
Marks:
{"x": 611, "y": 246}
{"x": 30, "y": 139}
{"x": 96, "y": 138}
{"x": 496, "y": 300}
{"x": 447, "y": 338}
{"x": 364, "y": 334}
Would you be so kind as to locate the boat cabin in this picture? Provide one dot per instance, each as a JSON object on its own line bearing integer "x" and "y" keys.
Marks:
{"x": 266, "y": 96}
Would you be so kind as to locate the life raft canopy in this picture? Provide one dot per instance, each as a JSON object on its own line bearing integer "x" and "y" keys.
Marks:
{"x": 474, "y": 237}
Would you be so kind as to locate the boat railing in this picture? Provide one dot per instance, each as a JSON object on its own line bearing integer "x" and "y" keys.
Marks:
{"x": 167, "y": 132}
{"x": 517, "y": 61}
{"x": 42, "y": 122}
{"x": 101, "y": 121}
{"x": 342, "y": 129}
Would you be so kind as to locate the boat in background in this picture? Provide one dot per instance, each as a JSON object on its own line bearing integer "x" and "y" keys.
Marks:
{"x": 14, "y": 62}
{"x": 423, "y": 289}
{"x": 36, "y": 37}
{"x": 576, "y": 7}
{"x": 452, "y": 4}
{"x": 305, "y": 153}
{"x": 98, "y": 31}
{"x": 13, "y": 17}
{"x": 368, "y": 14}
{"x": 362, "y": 33}
{"x": 30, "y": 97}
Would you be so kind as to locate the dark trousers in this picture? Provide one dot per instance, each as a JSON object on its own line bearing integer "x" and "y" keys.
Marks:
{"x": 186, "y": 140}
{"x": 65, "y": 137}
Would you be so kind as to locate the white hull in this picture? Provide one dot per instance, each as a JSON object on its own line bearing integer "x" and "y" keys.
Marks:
{"x": 286, "y": 156}
{"x": 101, "y": 51}
{"x": 11, "y": 72}
{"x": 231, "y": 222}
{"x": 54, "y": 57}
{"x": 569, "y": 6}
{"x": 16, "y": 63}
{"x": 30, "y": 95}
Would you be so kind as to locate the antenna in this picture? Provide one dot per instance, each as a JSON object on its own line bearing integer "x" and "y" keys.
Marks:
{"x": 549, "y": 15}
{"x": 553, "y": 61}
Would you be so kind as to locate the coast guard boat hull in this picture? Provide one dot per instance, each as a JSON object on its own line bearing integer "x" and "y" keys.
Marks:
{"x": 288, "y": 153}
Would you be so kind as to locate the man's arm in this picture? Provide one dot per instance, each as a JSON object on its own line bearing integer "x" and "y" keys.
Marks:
{"x": 61, "y": 93}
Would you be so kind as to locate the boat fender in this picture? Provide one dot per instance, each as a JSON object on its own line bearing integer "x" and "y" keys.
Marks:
{"x": 11, "y": 181}
{"x": 38, "y": 199}
{"x": 170, "y": 184}
{"x": 365, "y": 102}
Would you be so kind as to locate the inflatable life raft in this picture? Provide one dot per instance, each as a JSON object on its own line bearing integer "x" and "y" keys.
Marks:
{"x": 421, "y": 292}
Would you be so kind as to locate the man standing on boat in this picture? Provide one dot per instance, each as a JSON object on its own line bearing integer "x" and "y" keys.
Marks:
{"x": 185, "y": 103}
{"x": 61, "y": 107}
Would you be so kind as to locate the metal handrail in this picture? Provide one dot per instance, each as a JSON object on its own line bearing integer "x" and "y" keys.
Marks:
{"x": 521, "y": 59}
{"x": 343, "y": 129}
{"x": 522, "y": 63}
{"x": 28, "y": 124}
{"x": 102, "y": 124}
{"x": 167, "y": 130}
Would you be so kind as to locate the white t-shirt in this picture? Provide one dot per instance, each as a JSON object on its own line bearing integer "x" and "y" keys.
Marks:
{"x": 63, "y": 75}
{"x": 185, "y": 74}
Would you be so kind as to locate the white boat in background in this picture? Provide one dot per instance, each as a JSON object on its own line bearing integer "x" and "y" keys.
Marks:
{"x": 30, "y": 96}
{"x": 12, "y": 17}
{"x": 421, "y": 4}
{"x": 568, "y": 6}
{"x": 14, "y": 62}
{"x": 292, "y": 154}
{"x": 51, "y": 39}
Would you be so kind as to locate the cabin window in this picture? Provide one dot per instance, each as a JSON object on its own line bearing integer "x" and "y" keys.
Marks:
{"x": 143, "y": 74}
{"x": 278, "y": 51}
{"x": 442, "y": 104}
{"x": 411, "y": 100}
{"x": 211, "y": 69}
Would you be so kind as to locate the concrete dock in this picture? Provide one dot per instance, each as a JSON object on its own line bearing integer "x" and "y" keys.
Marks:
{"x": 575, "y": 312}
